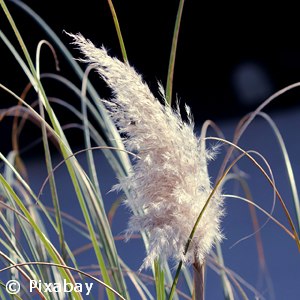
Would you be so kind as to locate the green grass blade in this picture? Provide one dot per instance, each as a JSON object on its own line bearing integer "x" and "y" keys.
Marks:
{"x": 169, "y": 85}
{"x": 159, "y": 281}
{"x": 118, "y": 30}
{"x": 87, "y": 137}
{"x": 49, "y": 166}
{"x": 175, "y": 281}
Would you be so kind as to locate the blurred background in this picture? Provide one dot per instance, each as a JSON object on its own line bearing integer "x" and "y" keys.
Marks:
{"x": 228, "y": 62}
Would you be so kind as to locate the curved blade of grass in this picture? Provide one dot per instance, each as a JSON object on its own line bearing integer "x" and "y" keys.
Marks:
{"x": 169, "y": 85}
{"x": 246, "y": 190}
{"x": 94, "y": 135}
{"x": 118, "y": 30}
{"x": 271, "y": 183}
{"x": 114, "y": 162}
{"x": 48, "y": 159}
{"x": 113, "y": 209}
{"x": 263, "y": 211}
{"x": 108, "y": 127}
{"x": 288, "y": 165}
{"x": 86, "y": 131}
{"x": 245, "y": 122}
{"x": 65, "y": 51}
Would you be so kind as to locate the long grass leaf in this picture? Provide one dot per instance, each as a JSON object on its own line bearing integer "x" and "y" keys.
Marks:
{"x": 118, "y": 30}
{"x": 169, "y": 85}
{"x": 288, "y": 165}
{"x": 48, "y": 159}
{"x": 159, "y": 281}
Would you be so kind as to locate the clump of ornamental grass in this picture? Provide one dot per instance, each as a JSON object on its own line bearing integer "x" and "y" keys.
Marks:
{"x": 169, "y": 180}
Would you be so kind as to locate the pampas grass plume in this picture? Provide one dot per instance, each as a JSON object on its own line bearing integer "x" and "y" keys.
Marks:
{"x": 169, "y": 181}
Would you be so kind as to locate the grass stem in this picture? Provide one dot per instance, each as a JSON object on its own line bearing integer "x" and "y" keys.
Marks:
{"x": 198, "y": 281}
{"x": 169, "y": 85}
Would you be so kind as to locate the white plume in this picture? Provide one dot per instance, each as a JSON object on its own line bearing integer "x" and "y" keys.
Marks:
{"x": 170, "y": 181}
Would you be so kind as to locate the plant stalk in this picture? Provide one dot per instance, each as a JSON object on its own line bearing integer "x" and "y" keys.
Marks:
{"x": 198, "y": 281}
{"x": 169, "y": 84}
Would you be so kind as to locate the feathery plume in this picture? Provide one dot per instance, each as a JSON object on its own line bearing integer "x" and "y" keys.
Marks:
{"x": 169, "y": 181}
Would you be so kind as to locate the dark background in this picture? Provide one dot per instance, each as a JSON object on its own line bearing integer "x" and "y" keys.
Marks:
{"x": 228, "y": 61}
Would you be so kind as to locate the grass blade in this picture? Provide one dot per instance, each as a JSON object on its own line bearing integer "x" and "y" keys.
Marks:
{"x": 288, "y": 165}
{"x": 118, "y": 30}
{"x": 48, "y": 160}
{"x": 169, "y": 85}
{"x": 159, "y": 281}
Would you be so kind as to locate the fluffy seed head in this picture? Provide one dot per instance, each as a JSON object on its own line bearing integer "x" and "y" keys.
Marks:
{"x": 169, "y": 181}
